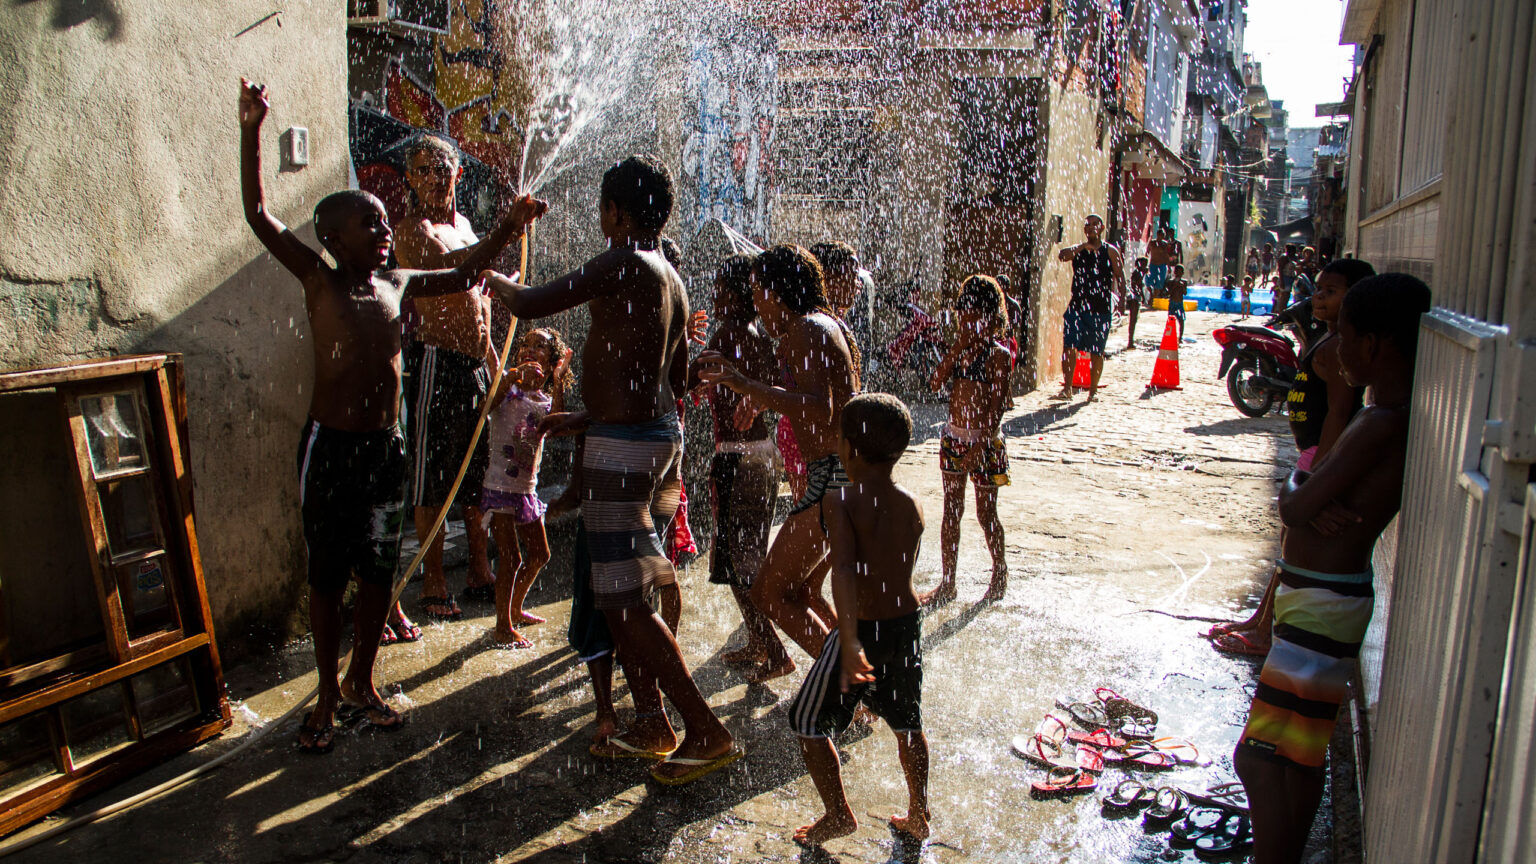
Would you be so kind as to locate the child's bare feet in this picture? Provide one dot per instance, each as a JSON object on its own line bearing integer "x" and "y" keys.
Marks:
{"x": 829, "y": 827}
{"x": 510, "y": 639}
{"x": 650, "y": 734}
{"x": 606, "y": 727}
{"x": 527, "y": 618}
{"x": 940, "y": 595}
{"x": 914, "y": 824}
{"x": 767, "y": 671}
{"x": 1063, "y": 393}
{"x": 997, "y": 588}
{"x": 749, "y": 654}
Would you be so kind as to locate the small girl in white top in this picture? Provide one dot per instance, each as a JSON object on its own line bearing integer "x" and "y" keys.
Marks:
{"x": 509, "y": 496}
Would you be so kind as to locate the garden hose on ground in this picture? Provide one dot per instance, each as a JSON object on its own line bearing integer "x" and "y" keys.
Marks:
{"x": 73, "y": 822}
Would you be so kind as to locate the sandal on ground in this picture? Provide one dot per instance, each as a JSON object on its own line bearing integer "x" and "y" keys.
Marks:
{"x": 1232, "y": 797}
{"x": 622, "y": 749}
{"x": 1182, "y": 750}
{"x": 1129, "y": 794}
{"x": 321, "y": 741}
{"x": 1043, "y": 752}
{"x": 388, "y": 637}
{"x": 1238, "y": 645}
{"x": 1098, "y": 738}
{"x": 405, "y": 631}
{"x": 1168, "y": 804}
{"x": 1053, "y": 730}
{"x": 479, "y": 593}
{"x": 1141, "y": 755}
{"x": 1196, "y": 823}
{"x": 1135, "y": 730}
{"x": 1089, "y": 715}
{"x": 1234, "y": 834}
{"x": 1117, "y": 707}
{"x": 426, "y": 602}
{"x": 1063, "y": 781}
{"x": 374, "y": 718}
{"x": 697, "y": 768}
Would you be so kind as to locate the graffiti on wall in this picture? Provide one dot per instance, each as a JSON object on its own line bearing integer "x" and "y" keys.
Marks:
{"x": 728, "y": 151}
{"x": 1200, "y": 232}
{"x": 466, "y": 88}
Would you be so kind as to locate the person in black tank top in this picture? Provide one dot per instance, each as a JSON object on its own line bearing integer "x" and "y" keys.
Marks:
{"x": 1097, "y": 274}
{"x": 1321, "y": 404}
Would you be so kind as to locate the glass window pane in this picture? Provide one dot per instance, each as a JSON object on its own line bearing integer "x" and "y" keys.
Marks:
{"x": 26, "y": 755}
{"x": 163, "y": 697}
{"x": 114, "y": 432}
{"x": 96, "y": 724}
{"x": 145, "y": 592}
{"x": 128, "y": 508}
{"x": 48, "y": 604}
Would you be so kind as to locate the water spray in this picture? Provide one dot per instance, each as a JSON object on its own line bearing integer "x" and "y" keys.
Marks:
{"x": 14, "y": 846}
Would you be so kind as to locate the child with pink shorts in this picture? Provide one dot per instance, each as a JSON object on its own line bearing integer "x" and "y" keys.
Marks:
{"x": 509, "y": 496}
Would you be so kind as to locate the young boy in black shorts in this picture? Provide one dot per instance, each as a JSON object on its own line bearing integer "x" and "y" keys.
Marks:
{"x": 875, "y": 655}
{"x": 351, "y": 457}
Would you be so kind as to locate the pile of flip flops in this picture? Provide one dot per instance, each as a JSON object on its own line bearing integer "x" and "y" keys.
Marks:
{"x": 1213, "y": 822}
{"x": 1116, "y": 731}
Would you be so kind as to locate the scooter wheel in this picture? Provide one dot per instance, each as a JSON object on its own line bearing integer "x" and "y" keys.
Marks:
{"x": 1248, "y": 396}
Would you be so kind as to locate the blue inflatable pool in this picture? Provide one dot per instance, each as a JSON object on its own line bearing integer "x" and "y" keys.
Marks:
{"x": 1211, "y": 298}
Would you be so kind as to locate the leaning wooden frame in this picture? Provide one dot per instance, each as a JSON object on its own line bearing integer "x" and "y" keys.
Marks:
{"x": 107, "y": 656}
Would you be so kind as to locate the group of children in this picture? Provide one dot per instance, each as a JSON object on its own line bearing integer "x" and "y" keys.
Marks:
{"x": 781, "y": 347}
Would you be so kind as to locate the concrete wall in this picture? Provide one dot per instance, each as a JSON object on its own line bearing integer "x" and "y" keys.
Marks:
{"x": 1076, "y": 184}
{"x": 121, "y": 231}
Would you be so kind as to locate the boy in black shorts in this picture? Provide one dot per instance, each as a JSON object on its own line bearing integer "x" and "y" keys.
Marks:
{"x": 881, "y": 662}
{"x": 352, "y": 452}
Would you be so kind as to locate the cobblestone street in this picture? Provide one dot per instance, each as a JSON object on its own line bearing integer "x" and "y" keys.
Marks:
{"x": 1129, "y": 523}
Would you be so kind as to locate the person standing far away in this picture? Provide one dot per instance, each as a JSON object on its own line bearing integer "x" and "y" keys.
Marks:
{"x": 1267, "y": 262}
{"x": 1097, "y": 273}
{"x": 450, "y": 362}
{"x": 634, "y": 366}
{"x": 1160, "y": 258}
{"x": 1132, "y": 299}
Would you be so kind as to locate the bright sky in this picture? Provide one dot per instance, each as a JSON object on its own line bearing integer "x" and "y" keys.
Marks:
{"x": 1298, "y": 43}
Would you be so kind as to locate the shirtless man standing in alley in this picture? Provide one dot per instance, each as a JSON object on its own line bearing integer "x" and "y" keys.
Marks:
{"x": 450, "y": 362}
{"x": 634, "y": 366}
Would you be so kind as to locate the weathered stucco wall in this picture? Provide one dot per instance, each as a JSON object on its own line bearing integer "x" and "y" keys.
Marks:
{"x": 1076, "y": 184}
{"x": 121, "y": 231}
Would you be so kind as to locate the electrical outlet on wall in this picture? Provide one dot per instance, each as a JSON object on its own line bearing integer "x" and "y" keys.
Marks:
{"x": 295, "y": 147}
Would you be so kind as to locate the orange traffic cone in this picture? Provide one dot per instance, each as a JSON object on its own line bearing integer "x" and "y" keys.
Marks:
{"x": 1165, "y": 372}
{"x": 1082, "y": 376}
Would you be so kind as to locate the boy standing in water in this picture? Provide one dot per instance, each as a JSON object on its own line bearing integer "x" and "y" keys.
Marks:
{"x": 634, "y": 366}
{"x": 1324, "y": 598}
{"x": 876, "y": 653}
{"x": 352, "y": 453}
{"x": 1176, "y": 286}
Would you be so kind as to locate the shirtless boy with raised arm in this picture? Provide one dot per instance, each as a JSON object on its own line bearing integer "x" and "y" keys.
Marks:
{"x": 634, "y": 365}
{"x": 1324, "y": 598}
{"x": 351, "y": 453}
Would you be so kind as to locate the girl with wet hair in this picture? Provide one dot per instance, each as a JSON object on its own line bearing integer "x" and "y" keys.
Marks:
{"x": 976, "y": 369}
{"x": 820, "y": 376}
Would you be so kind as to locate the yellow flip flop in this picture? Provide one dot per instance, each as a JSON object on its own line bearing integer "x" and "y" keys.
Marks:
{"x": 627, "y": 750}
{"x": 700, "y": 767}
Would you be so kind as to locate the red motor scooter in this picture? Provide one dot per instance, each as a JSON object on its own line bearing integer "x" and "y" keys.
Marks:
{"x": 1260, "y": 362}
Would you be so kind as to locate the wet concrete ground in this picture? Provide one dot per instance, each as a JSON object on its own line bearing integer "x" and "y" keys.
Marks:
{"x": 1130, "y": 523}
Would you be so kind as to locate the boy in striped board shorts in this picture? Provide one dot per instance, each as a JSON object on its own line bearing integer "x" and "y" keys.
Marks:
{"x": 875, "y": 655}
{"x": 1324, "y": 594}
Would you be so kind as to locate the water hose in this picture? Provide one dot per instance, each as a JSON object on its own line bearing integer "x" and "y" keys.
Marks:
{"x": 14, "y": 846}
